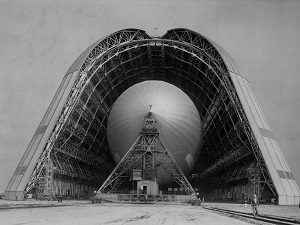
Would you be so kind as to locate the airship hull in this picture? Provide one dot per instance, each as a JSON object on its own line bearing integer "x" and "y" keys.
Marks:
{"x": 178, "y": 120}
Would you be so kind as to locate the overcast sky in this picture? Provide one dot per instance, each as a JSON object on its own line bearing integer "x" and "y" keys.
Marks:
{"x": 39, "y": 40}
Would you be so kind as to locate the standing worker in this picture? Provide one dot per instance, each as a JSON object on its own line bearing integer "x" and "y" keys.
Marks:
{"x": 198, "y": 199}
{"x": 254, "y": 204}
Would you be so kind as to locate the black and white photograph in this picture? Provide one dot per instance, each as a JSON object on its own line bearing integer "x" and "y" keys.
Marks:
{"x": 149, "y": 112}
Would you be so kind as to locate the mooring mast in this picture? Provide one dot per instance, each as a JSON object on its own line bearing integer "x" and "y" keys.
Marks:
{"x": 146, "y": 154}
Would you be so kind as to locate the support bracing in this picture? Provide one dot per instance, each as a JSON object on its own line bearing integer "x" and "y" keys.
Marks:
{"x": 256, "y": 183}
{"x": 44, "y": 183}
{"x": 146, "y": 153}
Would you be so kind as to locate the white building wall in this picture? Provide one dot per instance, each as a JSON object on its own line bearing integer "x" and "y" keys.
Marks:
{"x": 285, "y": 185}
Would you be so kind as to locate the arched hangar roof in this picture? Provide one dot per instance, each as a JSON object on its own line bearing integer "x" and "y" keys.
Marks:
{"x": 236, "y": 136}
{"x": 229, "y": 61}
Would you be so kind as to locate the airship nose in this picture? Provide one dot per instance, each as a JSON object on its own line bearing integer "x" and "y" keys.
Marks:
{"x": 178, "y": 120}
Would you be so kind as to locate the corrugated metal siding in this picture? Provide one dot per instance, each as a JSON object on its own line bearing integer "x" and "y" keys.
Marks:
{"x": 279, "y": 171}
{"x": 38, "y": 142}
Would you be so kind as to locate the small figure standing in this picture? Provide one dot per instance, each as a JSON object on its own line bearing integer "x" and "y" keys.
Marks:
{"x": 198, "y": 199}
{"x": 254, "y": 204}
{"x": 59, "y": 198}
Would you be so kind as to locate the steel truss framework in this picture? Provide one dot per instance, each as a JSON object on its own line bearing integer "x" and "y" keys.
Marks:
{"x": 77, "y": 145}
{"x": 147, "y": 145}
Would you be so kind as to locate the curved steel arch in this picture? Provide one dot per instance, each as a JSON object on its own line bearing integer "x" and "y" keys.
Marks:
{"x": 72, "y": 134}
{"x": 118, "y": 53}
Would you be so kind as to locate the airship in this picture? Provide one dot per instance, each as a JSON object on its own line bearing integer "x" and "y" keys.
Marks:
{"x": 178, "y": 123}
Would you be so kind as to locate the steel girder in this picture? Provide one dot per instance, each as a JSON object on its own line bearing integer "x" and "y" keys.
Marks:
{"x": 131, "y": 56}
{"x": 146, "y": 143}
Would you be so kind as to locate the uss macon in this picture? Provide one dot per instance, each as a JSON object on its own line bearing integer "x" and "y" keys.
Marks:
{"x": 205, "y": 131}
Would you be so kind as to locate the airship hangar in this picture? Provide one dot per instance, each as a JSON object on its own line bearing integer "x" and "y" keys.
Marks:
{"x": 211, "y": 127}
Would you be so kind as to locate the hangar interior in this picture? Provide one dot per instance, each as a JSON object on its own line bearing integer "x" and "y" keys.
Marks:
{"x": 69, "y": 153}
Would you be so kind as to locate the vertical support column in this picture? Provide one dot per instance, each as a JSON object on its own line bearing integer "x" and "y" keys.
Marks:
{"x": 148, "y": 166}
{"x": 254, "y": 181}
{"x": 45, "y": 183}
{"x": 49, "y": 185}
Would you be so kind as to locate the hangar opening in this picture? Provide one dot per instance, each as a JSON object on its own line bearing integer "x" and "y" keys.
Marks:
{"x": 69, "y": 153}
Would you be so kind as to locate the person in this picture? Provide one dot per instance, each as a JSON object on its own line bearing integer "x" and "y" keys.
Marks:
{"x": 198, "y": 198}
{"x": 254, "y": 204}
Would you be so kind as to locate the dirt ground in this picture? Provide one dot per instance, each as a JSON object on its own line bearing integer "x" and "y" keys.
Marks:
{"x": 83, "y": 213}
